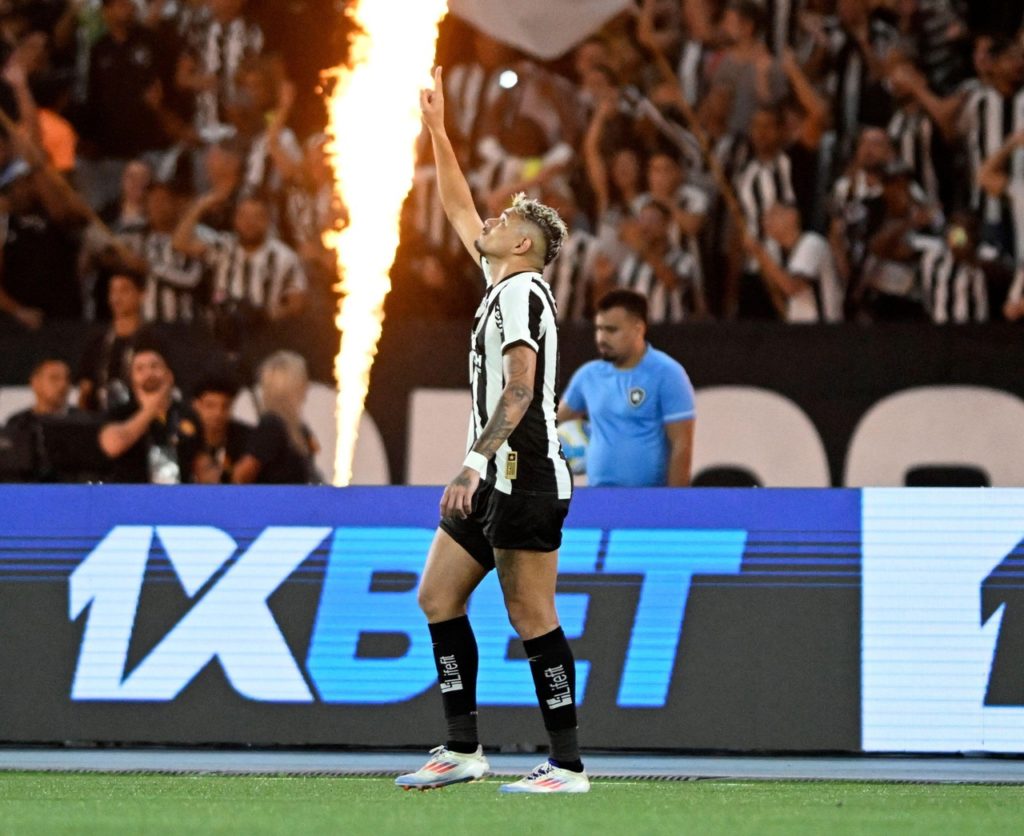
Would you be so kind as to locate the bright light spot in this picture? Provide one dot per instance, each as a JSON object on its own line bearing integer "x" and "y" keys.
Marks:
{"x": 508, "y": 79}
{"x": 374, "y": 120}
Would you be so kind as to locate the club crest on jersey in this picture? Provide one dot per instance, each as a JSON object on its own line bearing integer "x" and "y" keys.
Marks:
{"x": 637, "y": 396}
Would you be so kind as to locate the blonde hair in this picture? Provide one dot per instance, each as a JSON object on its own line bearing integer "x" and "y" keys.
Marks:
{"x": 283, "y": 380}
{"x": 546, "y": 219}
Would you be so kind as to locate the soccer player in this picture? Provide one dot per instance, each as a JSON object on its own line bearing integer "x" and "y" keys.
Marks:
{"x": 638, "y": 400}
{"x": 506, "y": 506}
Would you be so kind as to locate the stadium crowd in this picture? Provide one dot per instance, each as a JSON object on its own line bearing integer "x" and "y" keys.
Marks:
{"x": 793, "y": 160}
{"x": 162, "y": 162}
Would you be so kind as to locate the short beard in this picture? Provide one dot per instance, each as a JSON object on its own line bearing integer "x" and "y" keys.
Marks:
{"x": 478, "y": 244}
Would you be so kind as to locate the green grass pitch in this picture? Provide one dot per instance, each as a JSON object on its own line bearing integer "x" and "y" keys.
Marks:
{"x": 51, "y": 804}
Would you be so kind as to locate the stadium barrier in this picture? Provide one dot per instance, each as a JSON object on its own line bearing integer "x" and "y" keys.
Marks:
{"x": 807, "y": 406}
{"x": 871, "y": 620}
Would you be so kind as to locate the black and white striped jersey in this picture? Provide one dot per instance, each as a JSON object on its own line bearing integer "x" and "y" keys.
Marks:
{"x": 470, "y": 90}
{"x": 811, "y": 261}
{"x": 569, "y": 276}
{"x": 308, "y": 212}
{"x": 913, "y": 134}
{"x": 986, "y": 122}
{"x": 261, "y": 174}
{"x": 692, "y": 71}
{"x": 759, "y": 186}
{"x": 955, "y": 291}
{"x": 519, "y": 310}
{"x": 174, "y": 283}
{"x": 221, "y": 48}
{"x": 663, "y": 304}
{"x": 850, "y": 79}
{"x": 262, "y": 277}
{"x": 781, "y": 17}
{"x": 694, "y": 200}
{"x": 427, "y": 215}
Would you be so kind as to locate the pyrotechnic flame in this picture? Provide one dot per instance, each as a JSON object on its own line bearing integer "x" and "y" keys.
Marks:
{"x": 374, "y": 120}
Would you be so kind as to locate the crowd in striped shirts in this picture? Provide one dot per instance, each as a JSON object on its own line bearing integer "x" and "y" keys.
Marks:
{"x": 890, "y": 133}
{"x": 893, "y": 128}
{"x": 128, "y": 115}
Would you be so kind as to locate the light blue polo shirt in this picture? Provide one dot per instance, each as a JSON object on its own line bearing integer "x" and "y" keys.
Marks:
{"x": 628, "y": 410}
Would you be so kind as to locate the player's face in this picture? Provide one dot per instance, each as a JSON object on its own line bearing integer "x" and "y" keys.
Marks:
{"x": 499, "y": 236}
{"x": 616, "y": 334}
{"x": 214, "y": 411}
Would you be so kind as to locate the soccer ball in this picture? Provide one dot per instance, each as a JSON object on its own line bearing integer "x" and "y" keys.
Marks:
{"x": 574, "y": 438}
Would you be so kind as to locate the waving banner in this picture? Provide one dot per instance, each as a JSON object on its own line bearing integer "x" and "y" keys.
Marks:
{"x": 539, "y": 28}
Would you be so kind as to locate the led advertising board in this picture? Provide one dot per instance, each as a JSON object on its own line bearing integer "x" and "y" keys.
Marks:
{"x": 736, "y": 620}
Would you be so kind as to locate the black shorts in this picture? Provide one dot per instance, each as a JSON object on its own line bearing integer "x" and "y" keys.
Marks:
{"x": 521, "y": 521}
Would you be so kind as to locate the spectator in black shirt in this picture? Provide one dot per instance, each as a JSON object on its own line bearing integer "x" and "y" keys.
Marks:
{"x": 117, "y": 125}
{"x": 40, "y": 242}
{"x": 281, "y": 448}
{"x": 104, "y": 380}
{"x": 154, "y": 438}
{"x": 51, "y": 384}
{"x": 223, "y": 440}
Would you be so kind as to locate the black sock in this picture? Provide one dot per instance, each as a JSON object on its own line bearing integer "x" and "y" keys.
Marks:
{"x": 554, "y": 678}
{"x": 456, "y": 659}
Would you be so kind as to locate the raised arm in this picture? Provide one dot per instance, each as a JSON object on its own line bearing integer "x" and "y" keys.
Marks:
{"x": 456, "y": 198}
{"x": 992, "y": 175}
{"x": 815, "y": 120}
{"x": 117, "y": 438}
{"x": 593, "y": 159}
{"x": 944, "y": 111}
{"x": 185, "y": 239}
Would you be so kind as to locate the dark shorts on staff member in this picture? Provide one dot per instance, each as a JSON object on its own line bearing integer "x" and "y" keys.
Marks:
{"x": 523, "y": 521}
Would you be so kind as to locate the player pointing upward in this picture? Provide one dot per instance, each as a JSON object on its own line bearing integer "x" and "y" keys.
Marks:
{"x": 506, "y": 506}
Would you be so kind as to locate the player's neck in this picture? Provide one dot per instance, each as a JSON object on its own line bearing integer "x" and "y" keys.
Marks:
{"x": 501, "y": 270}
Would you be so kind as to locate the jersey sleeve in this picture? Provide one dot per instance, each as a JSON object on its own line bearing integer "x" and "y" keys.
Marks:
{"x": 677, "y": 400}
{"x": 520, "y": 316}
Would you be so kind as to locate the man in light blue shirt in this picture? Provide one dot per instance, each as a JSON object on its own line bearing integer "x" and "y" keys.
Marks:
{"x": 638, "y": 400}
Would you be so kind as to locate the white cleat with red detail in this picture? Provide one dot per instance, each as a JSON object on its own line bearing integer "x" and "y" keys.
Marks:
{"x": 446, "y": 767}
{"x": 550, "y": 778}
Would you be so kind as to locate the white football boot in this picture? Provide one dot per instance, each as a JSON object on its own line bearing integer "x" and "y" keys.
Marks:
{"x": 550, "y": 778}
{"x": 446, "y": 767}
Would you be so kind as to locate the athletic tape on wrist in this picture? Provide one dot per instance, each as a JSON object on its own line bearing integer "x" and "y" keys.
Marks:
{"x": 476, "y": 461}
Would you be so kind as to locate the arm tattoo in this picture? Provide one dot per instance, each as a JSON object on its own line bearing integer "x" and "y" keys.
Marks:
{"x": 510, "y": 411}
{"x": 515, "y": 400}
